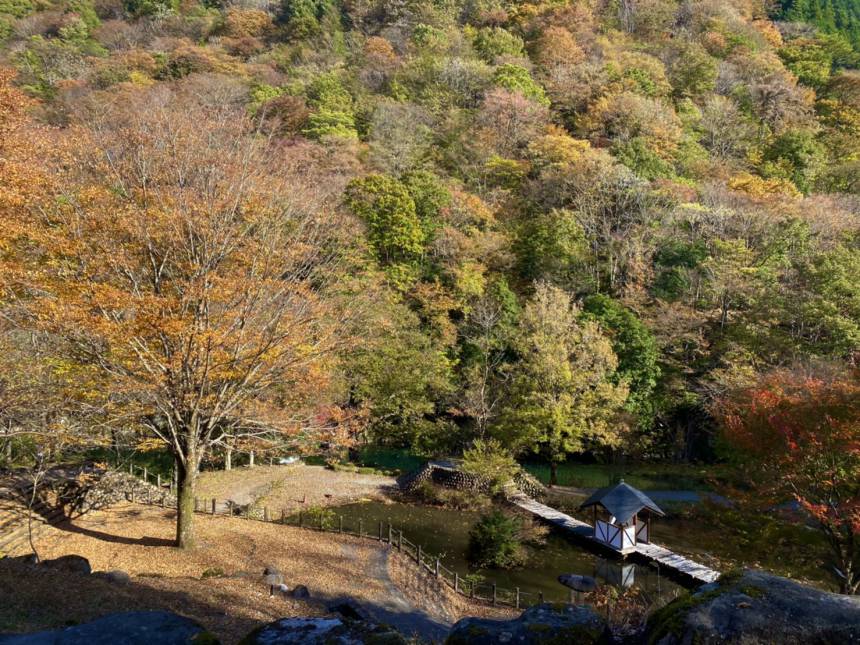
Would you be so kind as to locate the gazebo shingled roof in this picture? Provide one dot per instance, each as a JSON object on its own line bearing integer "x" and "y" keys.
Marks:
{"x": 622, "y": 501}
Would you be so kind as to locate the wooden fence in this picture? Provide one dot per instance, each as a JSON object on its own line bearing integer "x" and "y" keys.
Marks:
{"x": 326, "y": 520}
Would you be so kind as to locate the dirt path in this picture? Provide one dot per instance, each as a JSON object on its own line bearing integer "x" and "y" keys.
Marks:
{"x": 291, "y": 488}
{"x": 396, "y": 609}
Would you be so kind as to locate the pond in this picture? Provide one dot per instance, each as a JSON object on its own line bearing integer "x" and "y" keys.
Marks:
{"x": 445, "y": 532}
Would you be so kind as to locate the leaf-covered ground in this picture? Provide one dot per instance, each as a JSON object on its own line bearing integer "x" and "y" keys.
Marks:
{"x": 218, "y": 583}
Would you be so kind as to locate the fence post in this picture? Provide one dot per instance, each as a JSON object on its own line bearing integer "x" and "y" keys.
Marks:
{"x": 390, "y": 535}
{"x": 158, "y": 479}
{"x": 130, "y": 468}
{"x": 145, "y": 475}
{"x": 437, "y": 567}
{"x": 360, "y": 527}
{"x": 380, "y": 531}
{"x": 213, "y": 505}
{"x": 540, "y": 597}
{"x": 518, "y": 598}
{"x": 456, "y": 582}
{"x": 494, "y": 594}
{"x": 340, "y": 523}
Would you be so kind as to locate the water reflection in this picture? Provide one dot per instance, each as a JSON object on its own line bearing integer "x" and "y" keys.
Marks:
{"x": 445, "y": 532}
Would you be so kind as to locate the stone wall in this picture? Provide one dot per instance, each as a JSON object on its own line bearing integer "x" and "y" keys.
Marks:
{"x": 115, "y": 486}
{"x": 451, "y": 477}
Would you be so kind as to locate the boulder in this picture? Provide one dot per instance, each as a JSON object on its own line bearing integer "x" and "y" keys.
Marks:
{"x": 757, "y": 607}
{"x": 347, "y": 609}
{"x": 541, "y": 624}
{"x": 584, "y": 584}
{"x": 128, "y": 628}
{"x": 323, "y": 631}
{"x": 300, "y": 591}
{"x": 71, "y": 563}
{"x": 115, "y": 576}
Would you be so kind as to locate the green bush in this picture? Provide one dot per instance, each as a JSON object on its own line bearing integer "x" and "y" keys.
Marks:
{"x": 462, "y": 500}
{"x": 491, "y": 42}
{"x": 518, "y": 79}
{"x": 319, "y": 516}
{"x": 492, "y": 462}
{"x": 214, "y": 572}
{"x": 16, "y": 8}
{"x": 495, "y": 541}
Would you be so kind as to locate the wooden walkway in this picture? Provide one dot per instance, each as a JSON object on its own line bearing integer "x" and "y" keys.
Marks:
{"x": 663, "y": 556}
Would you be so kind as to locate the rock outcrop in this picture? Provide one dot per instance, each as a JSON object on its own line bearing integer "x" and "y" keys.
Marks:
{"x": 757, "y": 607}
{"x": 70, "y": 563}
{"x": 129, "y": 628}
{"x": 323, "y": 631}
{"x": 538, "y": 625}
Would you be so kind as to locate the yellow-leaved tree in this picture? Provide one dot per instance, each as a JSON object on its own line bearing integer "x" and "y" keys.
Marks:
{"x": 187, "y": 263}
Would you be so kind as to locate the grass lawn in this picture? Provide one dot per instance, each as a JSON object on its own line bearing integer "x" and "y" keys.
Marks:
{"x": 644, "y": 476}
{"x": 394, "y": 459}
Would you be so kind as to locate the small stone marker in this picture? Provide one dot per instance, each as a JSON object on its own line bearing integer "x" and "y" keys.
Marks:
{"x": 273, "y": 580}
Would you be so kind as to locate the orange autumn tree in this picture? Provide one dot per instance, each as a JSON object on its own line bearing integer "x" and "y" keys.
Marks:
{"x": 797, "y": 433}
{"x": 188, "y": 262}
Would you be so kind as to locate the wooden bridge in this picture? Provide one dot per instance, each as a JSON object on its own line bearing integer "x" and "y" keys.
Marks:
{"x": 663, "y": 556}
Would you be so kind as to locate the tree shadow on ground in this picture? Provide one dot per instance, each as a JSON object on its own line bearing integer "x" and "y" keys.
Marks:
{"x": 229, "y": 607}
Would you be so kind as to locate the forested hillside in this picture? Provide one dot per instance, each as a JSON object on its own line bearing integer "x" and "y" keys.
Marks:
{"x": 572, "y": 225}
{"x": 832, "y": 16}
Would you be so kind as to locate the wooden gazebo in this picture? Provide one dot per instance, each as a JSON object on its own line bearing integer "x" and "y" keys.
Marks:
{"x": 622, "y": 516}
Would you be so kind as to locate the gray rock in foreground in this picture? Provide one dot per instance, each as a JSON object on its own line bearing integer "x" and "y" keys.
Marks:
{"x": 128, "y": 628}
{"x": 757, "y": 607}
{"x": 541, "y": 624}
{"x": 323, "y": 631}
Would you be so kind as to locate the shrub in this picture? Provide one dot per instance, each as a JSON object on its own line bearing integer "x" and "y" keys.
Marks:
{"x": 518, "y": 79}
{"x": 492, "y": 42}
{"x": 492, "y": 462}
{"x": 495, "y": 541}
{"x": 462, "y": 500}
{"x": 16, "y": 8}
{"x": 317, "y": 516}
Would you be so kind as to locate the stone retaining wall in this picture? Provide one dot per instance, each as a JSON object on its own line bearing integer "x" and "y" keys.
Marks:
{"x": 451, "y": 477}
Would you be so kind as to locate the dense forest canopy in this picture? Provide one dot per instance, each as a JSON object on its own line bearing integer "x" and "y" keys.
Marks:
{"x": 831, "y": 16}
{"x": 569, "y": 225}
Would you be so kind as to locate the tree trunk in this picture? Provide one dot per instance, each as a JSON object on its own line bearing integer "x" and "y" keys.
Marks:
{"x": 228, "y": 459}
{"x": 186, "y": 475}
{"x": 553, "y": 473}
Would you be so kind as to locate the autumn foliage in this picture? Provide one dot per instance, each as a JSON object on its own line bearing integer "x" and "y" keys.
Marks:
{"x": 797, "y": 433}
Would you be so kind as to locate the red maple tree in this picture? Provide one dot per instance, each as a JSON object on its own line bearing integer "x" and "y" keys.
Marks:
{"x": 797, "y": 433}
